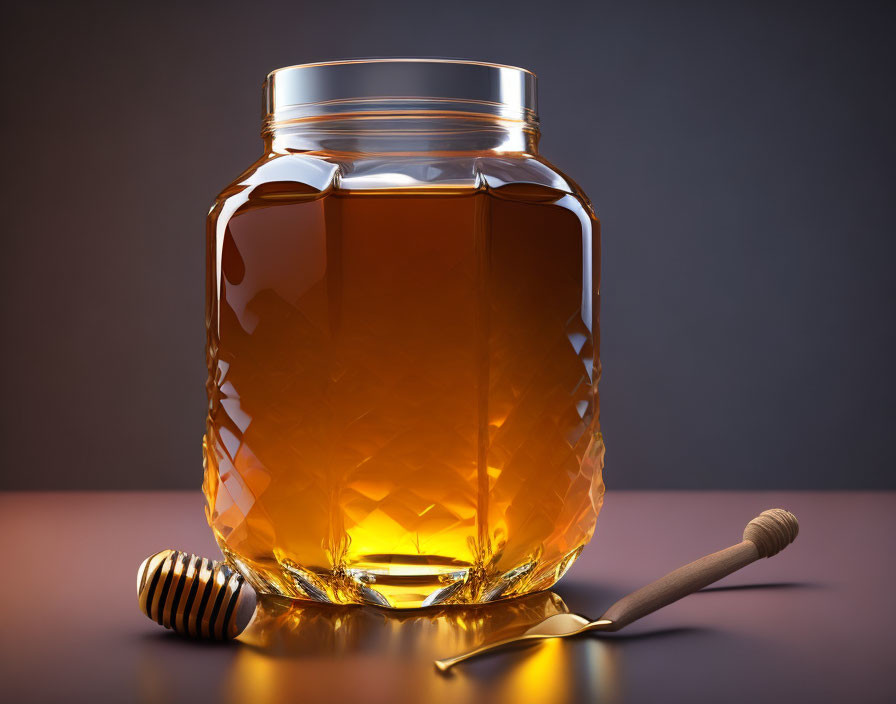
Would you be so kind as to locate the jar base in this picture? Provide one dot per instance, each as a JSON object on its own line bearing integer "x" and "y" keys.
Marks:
{"x": 395, "y": 582}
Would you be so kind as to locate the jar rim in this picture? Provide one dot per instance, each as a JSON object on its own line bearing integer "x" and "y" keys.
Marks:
{"x": 399, "y": 59}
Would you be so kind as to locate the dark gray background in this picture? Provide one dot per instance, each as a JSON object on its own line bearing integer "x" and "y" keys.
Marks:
{"x": 740, "y": 154}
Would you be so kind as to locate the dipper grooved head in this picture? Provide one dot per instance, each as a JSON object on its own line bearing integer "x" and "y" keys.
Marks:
{"x": 194, "y": 596}
{"x": 772, "y": 531}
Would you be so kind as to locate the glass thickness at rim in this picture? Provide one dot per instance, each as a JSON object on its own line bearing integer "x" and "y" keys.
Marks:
{"x": 397, "y": 84}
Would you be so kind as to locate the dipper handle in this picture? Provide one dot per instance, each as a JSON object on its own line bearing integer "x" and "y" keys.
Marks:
{"x": 766, "y": 535}
{"x": 194, "y": 596}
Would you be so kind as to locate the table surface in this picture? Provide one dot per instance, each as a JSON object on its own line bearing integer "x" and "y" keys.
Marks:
{"x": 816, "y": 623}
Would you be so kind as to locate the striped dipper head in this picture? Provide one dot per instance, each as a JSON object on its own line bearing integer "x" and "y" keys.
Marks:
{"x": 194, "y": 596}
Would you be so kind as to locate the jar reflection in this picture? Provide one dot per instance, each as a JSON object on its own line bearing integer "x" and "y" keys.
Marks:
{"x": 334, "y": 653}
{"x": 283, "y": 627}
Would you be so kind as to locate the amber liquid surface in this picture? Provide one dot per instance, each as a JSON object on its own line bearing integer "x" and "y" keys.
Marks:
{"x": 403, "y": 392}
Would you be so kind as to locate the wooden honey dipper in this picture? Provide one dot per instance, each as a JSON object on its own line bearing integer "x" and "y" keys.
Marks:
{"x": 194, "y": 596}
{"x": 766, "y": 535}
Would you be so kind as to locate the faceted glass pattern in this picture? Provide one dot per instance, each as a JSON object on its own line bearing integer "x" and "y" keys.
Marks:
{"x": 402, "y": 382}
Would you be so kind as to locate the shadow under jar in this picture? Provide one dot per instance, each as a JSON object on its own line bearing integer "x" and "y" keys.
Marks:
{"x": 403, "y": 342}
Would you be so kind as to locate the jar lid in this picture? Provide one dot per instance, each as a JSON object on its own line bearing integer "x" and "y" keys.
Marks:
{"x": 399, "y": 85}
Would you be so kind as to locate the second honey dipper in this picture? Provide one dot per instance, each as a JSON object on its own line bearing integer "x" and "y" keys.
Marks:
{"x": 194, "y": 596}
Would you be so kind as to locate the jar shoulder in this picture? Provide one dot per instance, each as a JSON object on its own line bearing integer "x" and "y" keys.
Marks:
{"x": 317, "y": 174}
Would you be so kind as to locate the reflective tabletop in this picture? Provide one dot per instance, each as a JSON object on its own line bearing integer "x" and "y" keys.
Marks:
{"x": 816, "y": 623}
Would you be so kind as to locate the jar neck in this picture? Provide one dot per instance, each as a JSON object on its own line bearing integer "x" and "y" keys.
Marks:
{"x": 402, "y": 134}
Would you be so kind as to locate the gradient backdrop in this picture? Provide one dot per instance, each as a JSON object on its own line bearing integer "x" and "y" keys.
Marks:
{"x": 740, "y": 155}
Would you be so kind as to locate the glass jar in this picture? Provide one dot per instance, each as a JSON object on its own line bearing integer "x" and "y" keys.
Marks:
{"x": 402, "y": 315}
